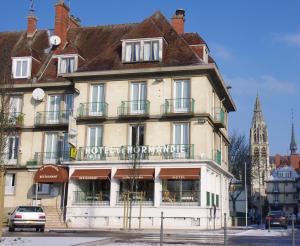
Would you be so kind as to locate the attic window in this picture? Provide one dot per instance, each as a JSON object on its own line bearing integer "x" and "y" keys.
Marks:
{"x": 67, "y": 64}
{"x": 21, "y": 67}
{"x": 142, "y": 50}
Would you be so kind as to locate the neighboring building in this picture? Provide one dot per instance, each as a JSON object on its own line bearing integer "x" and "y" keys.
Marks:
{"x": 293, "y": 159}
{"x": 145, "y": 94}
{"x": 237, "y": 199}
{"x": 259, "y": 151}
{"x": 282, "y": 189}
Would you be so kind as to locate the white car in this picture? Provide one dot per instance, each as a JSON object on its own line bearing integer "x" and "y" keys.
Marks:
{"x": 27, "y": 217}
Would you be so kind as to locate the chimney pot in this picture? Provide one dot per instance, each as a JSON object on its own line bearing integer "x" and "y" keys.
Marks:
{"x": 178, "y": 21}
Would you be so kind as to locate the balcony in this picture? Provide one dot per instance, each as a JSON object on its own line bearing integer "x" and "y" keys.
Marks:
{"x": 91, "y": 153}
{"x": 11, "y": 159}
{"x": 219, "y": 118}
{"x": 92, "y": 110}
{"x": 52, "y": 118}
{"x": 146, "y": 198}
{"x": 217, "y": 157}
{"x": 16, "y": 119}
{"x": 137, "y": 108}
{"x": 100, "y": 198}
{"x": 129, "y": 152}
{"x": 43, "y": 158}
{"x": 178, "y": 151}
{"x": 181, "y": 198}
{"x": 177, "y": 107}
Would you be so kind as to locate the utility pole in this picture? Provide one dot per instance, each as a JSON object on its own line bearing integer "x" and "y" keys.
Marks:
{"x": 2, "y": 184}
{"x": 246, "y": 196}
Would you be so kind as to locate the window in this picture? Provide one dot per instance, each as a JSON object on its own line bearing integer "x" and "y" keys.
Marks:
{"x": 43, "y": 189}
{"x": 137, "y": 133}
{"x": 138, "y": 98}
{"x": 142, "y": 50}
{"x": 51, "y": 148}
{"x": 276, "y": 187}
{"x": 67, "y": 64}
{"x": 15, "y": 106}
{"x": 207, "y": 198}
{"x": 151, "y": 50}
{"x": 276, "y": 198}
{"x": 182, "y": 96}
{"x": 95, "y": 136}
{"x": 12, "y": 149}
{"x": 181, "y": 138}
{"x": 21, "y": 67}
{"x": 212, "y": 199}
{"x": 10, "y": 181}
{"x": 60, "y": 107}
{"x": 97, "y": 106}
{"x": 217, "y": 201}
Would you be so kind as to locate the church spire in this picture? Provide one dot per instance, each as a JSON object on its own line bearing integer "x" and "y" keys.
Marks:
{"x": 293, "y": 145}
{"x": 257, "y": 114}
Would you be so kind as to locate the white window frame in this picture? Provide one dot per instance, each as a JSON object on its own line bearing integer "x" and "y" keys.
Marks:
{"x": 54, "y": 155}
{"x": 182, "y": 124}
{"x": 141, "y": 102}
{"x": 138, "y": 133}
{"x": 59, "y": 72}
{"x": 14, "y": 67}
{"x": 14, "y": 159}
{"x": 43, "y": 189}
{"x": 142, "y": 41}
{"x": 11, "y": 189}
{"x": 99, "y": 111}
{"x": 183, "y": 105}
{"x": 96, "y": 134}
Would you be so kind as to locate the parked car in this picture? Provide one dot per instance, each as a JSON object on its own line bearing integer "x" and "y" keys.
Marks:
{"x": 276, "y": 219}
{"x": 27, "y": 217}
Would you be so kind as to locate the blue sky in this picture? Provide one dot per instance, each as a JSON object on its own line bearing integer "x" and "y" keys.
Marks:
{"x": 255, "y": 43}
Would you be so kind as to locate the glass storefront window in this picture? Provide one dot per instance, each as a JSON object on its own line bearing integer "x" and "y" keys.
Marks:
{"x": 181, "y": 191}
{"x": 144, "y": 187}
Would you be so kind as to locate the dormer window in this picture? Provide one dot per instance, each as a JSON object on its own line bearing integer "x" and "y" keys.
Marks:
{"x": 142, "y": 50}
{"x": 21, "y": 67}
{"x": 67, "y": 64}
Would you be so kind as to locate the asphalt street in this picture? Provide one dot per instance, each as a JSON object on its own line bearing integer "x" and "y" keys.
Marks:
{"x": 235, "y": 237}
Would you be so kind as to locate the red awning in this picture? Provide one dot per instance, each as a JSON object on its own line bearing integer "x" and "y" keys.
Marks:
{"x": 51, "y": 174}
{"x": 180, "y": 173}
{"x": 90, "y": 174}
{"x": 140, "y": 173}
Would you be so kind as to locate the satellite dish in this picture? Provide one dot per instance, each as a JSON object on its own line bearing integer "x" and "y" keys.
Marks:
{"x": 38, "y": 94}
{"x": 55, "y": 40}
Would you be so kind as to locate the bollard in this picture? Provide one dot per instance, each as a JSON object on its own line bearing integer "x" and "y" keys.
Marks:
{"x": 161, "y": 229}
{"x": 293, "y": 230}
{"x": 225, "y": 230}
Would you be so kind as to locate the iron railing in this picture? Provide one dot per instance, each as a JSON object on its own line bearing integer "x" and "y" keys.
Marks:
{"x": 41, "y": 158}
{"x": 11, "y": 159}
{"x": 184, "y": 197}
{"x": 178, "y": 106}
{"x": 91, "y": 153}
{"x": 52, "y": 117}
{"x": 178, "y": 151}
{"x": 91, "y": 198}
{"x": 92, "y": 109}
{"x": 134, "y": 108}
{"x": 130, "y": 152}
{"x": 16, "y": 119}
{"x": 137, "y": 198}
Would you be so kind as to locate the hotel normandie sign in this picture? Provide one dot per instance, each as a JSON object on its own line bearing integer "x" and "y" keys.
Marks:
{"x": 93, "y": 152}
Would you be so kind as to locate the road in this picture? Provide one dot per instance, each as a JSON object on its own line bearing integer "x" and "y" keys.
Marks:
{"x": 235, "y": 237}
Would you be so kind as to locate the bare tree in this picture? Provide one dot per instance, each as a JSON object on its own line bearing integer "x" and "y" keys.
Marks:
{"x": 239, "y": 154}
{"x": 7, "y": 128}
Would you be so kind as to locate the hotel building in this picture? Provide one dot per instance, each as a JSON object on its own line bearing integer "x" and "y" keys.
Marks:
{"x": 138, "y": 108}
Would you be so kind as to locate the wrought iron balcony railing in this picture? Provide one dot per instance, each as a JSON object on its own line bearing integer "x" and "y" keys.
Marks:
{"x": 42, "y": 158}
{"x": 11, "y": 159}
{"x": 178, "y": 151}
{"x": 16, "y": 119}
{"x": 92, "y": 110}
{"x": 178, "y": 106}
{"x": 53, "y": 117}
{"x": 90, "y": 198}
{"x": 134, "y": 108}
{"x": 91, "y": 153}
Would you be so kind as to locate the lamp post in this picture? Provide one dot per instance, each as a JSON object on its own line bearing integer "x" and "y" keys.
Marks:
{"x": 2, "y": 184}
{"x": 246, "y": 196}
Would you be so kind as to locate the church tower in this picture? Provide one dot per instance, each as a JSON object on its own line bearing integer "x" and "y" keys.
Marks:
{"x": 259, "y": 151}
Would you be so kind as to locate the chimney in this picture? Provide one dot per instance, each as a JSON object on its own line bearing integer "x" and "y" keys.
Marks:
{"x": 62, "y": 21}
{"x": 178, "y": 21}
{"x": 31, "y": 24}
